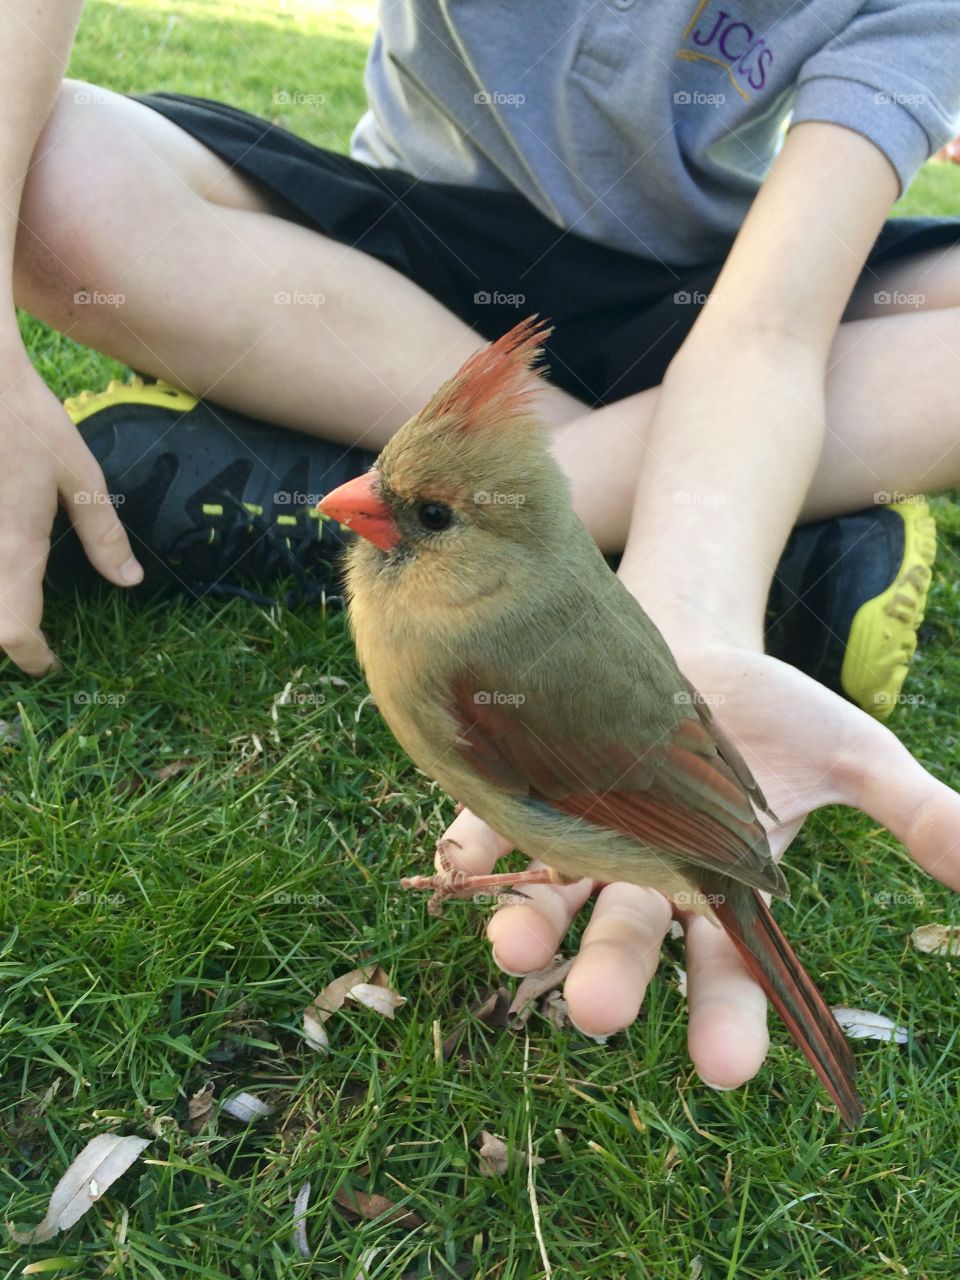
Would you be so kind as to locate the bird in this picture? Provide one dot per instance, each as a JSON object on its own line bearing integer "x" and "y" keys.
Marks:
{"x": 516, "y": 669}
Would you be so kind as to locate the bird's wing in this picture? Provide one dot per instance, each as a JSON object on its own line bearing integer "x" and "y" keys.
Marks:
{"x": 673, "y": 792}
{"x": 729, "y": 754}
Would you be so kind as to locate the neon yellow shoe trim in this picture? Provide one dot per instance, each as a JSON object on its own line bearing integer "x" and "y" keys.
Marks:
{"x": 164, "y": 394}
{"x": 883, "y": 637}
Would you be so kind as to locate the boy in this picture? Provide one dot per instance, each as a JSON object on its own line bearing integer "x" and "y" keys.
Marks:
{"x": 741, "y": 342}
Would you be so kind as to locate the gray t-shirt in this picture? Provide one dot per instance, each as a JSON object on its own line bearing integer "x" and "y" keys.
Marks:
{"x": 649, "y": 124}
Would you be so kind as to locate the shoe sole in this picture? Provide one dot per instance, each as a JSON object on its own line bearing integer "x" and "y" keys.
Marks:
{"x": 883, "y": 634}
{"x": 163, "y": 394}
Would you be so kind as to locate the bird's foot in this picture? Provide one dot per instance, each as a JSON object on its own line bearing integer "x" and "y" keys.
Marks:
{"x": 451, "y": 883}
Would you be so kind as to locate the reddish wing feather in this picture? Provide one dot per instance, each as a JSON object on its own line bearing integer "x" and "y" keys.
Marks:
{"x": 773, "y": 962}
{"x": 731, "y": 756}
{"x": 656, "y": 819}
{"x": 645, "y": 796}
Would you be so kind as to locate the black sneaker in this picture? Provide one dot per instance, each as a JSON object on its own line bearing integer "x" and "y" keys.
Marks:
{"x": 215, "y": 503}
{"x": 848, "y": 597}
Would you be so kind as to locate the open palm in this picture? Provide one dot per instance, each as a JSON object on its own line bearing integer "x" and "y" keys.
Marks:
{"x": 807, "y": 748}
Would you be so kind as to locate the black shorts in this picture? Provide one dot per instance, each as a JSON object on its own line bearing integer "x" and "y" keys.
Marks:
{"x": 490, "y": 257}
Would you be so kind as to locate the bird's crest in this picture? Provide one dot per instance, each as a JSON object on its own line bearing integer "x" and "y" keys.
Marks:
{"x": 497, "y": 383}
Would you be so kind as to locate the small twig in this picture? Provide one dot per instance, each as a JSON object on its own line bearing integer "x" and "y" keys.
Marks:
{"x": 531, "y": 1187}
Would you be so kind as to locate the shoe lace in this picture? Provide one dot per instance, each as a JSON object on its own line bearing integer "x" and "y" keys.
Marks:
{"x": 246, "y": 544}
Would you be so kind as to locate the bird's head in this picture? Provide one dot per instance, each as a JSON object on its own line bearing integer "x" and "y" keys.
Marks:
{"x": 465, "y": 492}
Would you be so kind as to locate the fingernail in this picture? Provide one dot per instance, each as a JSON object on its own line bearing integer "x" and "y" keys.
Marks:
{"x": 131, "y": 571}
{"x": 514, "y": 973}
{"x": 720, "y": 1088}
{"x": 589, "y": 1035}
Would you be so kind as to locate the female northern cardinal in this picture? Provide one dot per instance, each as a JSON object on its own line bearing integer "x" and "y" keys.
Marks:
{"x": 518, "y": 671}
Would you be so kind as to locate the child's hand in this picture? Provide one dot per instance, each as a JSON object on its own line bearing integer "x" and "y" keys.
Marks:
{"x": 807, "y": 748}
{"x": 43, "y": 458}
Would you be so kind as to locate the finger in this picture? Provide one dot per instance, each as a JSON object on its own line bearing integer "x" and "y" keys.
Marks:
{"x": 618, "y": 956}
{"x": 471, "y": 845}
{"x": 727, "y": 1034}
{"x": 883, "y": 779}
{"x": 525, "y": 936}
{"x": 21, "y": 607}
{"x": 98, "y": 526}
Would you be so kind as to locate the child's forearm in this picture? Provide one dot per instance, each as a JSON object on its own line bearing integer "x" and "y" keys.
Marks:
{"x": 733, "y": 447}
{"x": 35, "y": 43}
{"x": 739, "y": 424}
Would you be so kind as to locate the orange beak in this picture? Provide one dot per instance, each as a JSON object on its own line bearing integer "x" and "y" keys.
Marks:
{"x": 358, "y": 505}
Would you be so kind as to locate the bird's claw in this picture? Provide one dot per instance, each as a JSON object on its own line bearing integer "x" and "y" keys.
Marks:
{"x": 452, "y": 883}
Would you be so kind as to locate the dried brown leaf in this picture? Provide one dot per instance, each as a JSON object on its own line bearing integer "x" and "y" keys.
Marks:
{"x": 535, "y": 985}
{"x": 383, "y": 1000}
{"x": 93, "y": 1172}
{"x": 492, "y": 1011}
{"x": 362, "y": 1204}
{"x": 246, "y": 1107}
{"x": 315, "y": 1033}
{"x": 495, "y": 1156}
{"x": 331, "y": 998}
{"x": 299, "y": 1223}
{"x": 863, "y": 1024}
{"x": 171, "y": 769}
{"x": 11, "y": 730}
{"x": 200, "y": 1107}
{"x": 163, "y": 1127}
{"x": 128, "y": 786}
{"x": 937, "y": 939}
{"x": 554, "y": 1009}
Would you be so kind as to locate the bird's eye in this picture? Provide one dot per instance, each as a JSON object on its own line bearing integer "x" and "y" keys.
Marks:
{"x": 434, "y": 516}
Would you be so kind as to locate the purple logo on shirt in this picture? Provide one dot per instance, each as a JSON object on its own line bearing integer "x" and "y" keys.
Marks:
{"x": 718, "y": 36}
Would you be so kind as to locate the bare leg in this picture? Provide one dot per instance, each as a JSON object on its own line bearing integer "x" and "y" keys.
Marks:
{"x": 893, "y": 413}
{"x": 122, "y": 202}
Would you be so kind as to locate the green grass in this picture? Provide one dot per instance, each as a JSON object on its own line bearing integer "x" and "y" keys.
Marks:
{"x": 161, "y": 932}
{"x": 934, "y": 193}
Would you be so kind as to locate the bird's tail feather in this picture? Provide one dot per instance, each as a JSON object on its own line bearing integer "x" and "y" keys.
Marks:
{"x": 772, "y": 961}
